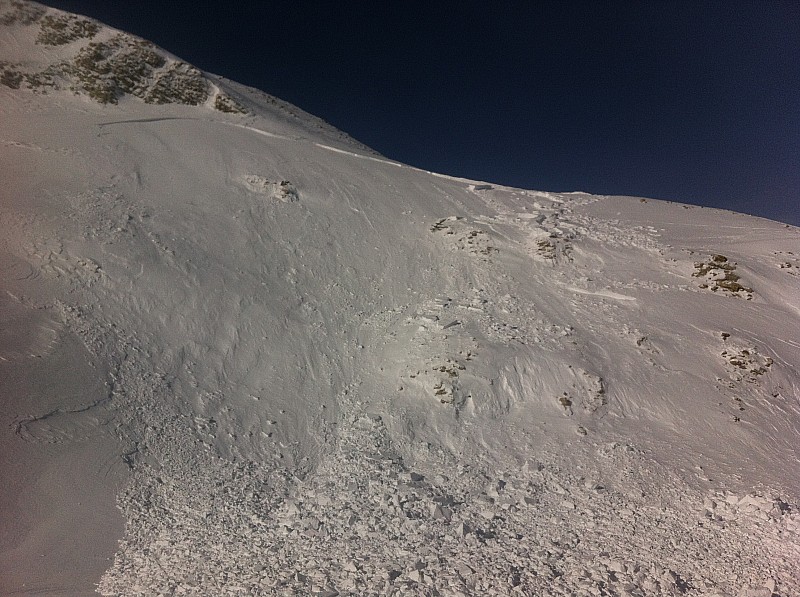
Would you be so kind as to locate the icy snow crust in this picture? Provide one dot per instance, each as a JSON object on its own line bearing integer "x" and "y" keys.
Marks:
{"x": 242, "y": 355}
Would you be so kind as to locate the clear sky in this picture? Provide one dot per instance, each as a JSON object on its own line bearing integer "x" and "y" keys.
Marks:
{"x": 697, "y": 102}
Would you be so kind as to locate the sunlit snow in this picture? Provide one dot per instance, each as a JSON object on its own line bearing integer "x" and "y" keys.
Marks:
{"x": 242, "y": 354}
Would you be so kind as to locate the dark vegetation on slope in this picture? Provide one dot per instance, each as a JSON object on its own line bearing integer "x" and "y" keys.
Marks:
{"x": 106, "y": 70}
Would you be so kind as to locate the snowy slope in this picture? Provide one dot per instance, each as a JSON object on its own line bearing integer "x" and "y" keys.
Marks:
{"x": 242, "y": 354}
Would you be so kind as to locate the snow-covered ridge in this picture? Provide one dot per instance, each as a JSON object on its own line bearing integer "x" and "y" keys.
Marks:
{"x": 89, "y": 59}
{"x": 44, "y": 50}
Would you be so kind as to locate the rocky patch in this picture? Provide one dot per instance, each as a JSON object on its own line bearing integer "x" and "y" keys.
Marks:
{"x": 283, "y": 191}
{"x": 463, "y": 236}
{"x": 719, "y": 275}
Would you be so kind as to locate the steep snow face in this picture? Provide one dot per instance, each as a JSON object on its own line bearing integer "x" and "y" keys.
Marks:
{"x": 269, "y": 361}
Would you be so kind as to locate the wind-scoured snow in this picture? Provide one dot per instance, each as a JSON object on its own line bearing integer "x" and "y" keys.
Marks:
{"x": 241, "y": 354}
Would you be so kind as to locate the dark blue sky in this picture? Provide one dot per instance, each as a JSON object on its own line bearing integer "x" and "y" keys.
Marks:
{"x": 691, "y": 101}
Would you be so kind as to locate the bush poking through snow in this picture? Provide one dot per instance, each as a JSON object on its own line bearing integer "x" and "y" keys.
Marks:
{"x": 181, "y": 83}
{"x": 21, "y": 14}
{"x": 227, "y": 104}
{"x": 9, "y": 76}
{"x": 107, "y": 70}
{"x": 57, "y": 30}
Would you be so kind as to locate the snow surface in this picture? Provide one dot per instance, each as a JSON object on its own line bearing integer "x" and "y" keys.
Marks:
{"x": 241, "y": 354}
